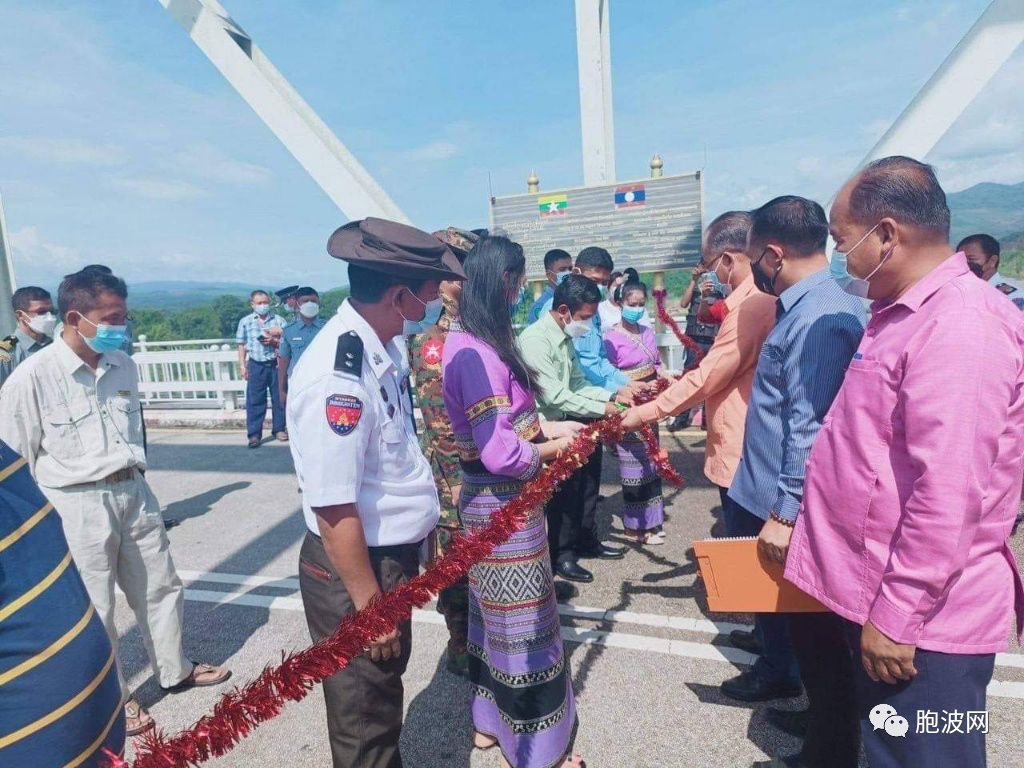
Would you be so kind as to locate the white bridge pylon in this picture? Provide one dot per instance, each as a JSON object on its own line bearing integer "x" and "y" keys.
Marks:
{"x": 349, "y": 185}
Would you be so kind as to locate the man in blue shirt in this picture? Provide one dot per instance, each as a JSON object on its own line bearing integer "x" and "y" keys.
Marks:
{"x": 557, "y": 266}
{"x": 296, "y": 336}
{"x": 258, "y": 337}
{"x": 801, "y": 367}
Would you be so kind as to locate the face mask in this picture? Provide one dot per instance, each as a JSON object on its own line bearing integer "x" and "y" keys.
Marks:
{"x": 261, "y": 309}
{"x": 604, "y": 291}
{"x": 764, "y": 283}
{"x": 309, "y": 309}
{"x": 431, "y": 314}
{"x": 107, "y": 338}
{"x": 723, "y": 288}
{"x": 513, "y": 305}
{"x": 43, "y": 324}
{"x": 855, "y": 286}
{"x": 977, "y": 269}
{"x": 576, "y": 329}
{"x": 633, "y": 314}
{"x": 560, "y": 276}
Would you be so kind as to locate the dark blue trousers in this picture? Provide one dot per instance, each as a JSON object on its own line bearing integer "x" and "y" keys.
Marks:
{"x": 778, "y": 662}
{"x": 945, "y": 683}
{"x": 262, "y": 376}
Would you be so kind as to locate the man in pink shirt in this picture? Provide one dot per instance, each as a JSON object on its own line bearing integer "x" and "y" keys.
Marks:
{"x": 914, "y": 480}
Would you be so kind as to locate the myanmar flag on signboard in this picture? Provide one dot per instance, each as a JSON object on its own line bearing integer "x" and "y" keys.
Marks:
{"x": 553, "y": 205}
{"x": 630, "y": 196}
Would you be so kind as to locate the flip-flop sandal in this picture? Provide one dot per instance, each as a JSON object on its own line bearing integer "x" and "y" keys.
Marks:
{"x": 200, "y": 669}
{"x": 136, "y": 719}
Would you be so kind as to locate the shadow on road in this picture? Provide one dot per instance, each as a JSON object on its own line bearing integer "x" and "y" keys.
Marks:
{"x": 438, "y": 730}
{"x": 199, "y": 505}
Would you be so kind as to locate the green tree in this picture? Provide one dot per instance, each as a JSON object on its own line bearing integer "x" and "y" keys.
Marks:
{"x": 229, "y": 310}
{"x": 331, "y": 300}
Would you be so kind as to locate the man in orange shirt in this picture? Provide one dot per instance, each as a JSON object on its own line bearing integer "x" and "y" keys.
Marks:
{"x": 723, "y": 378}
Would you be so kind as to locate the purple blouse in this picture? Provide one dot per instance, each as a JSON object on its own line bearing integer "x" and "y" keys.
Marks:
{"x": 635, "y": 354}
{"x": 493, "y": 416}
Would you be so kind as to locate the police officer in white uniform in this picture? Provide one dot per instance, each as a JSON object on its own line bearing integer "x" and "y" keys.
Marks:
{"x": 368, "y": 495}
{"x": 982, "y": 252}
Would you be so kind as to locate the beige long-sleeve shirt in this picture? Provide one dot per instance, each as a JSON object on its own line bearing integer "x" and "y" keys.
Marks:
{"x": 723, "y": 380}
{"x": 73, "y": 424}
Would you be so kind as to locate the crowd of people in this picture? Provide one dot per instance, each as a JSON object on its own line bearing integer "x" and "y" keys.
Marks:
{"x": 883, "y": 477}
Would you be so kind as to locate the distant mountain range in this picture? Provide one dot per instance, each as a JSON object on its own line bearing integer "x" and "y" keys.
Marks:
{"x": 995, "y": 209}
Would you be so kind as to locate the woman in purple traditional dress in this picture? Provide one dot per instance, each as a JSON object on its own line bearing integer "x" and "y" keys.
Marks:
{"x": 632, "y": 349}
{"x": 523, "y": 700}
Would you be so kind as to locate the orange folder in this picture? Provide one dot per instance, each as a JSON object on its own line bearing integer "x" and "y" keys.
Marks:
{"x": 739, "y": 581}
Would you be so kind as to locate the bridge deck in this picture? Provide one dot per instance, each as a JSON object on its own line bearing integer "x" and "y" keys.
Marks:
{"x": 646, "y": 677}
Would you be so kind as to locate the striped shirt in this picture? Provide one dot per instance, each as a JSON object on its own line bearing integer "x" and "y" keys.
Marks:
{"x": 799, "y": 371}
{"x": 60, "y": 700}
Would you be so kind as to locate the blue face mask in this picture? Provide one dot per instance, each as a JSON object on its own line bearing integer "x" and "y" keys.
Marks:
{"x": 632, "y": 314}
{"x": 261, "y": 309}
{"x": 107, "y": 338}
{"x": 840, "y": 270}
{"x": 513, "y": 305}
{"x": 431, "y": 314}
{"x": 560, "y": 276}
{"x": 603, "y": 290}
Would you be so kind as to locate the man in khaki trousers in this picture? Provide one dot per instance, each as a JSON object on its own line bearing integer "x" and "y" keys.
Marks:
{"x": 72, "y": 410}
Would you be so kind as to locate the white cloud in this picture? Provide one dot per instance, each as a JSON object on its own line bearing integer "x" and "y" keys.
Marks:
{"x": 172, "y": 191}
{"x": 64, "y": 150}
{"x": 32, "y": 249}
{"x": 207, "y": 162}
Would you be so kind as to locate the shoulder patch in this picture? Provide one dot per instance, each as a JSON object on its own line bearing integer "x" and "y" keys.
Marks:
{"x": 1006, "y": 288}
{"x": 348, "y": 354}
{"x": 432, "y": 351}
{"x": 343, "y": 413}
{"x": 8, "y": 344}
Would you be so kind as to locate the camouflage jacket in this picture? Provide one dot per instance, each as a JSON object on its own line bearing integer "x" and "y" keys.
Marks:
{"x": 436, "y": 439}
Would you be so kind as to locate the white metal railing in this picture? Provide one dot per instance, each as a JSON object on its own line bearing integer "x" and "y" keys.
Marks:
{"x": 205, "y": 374}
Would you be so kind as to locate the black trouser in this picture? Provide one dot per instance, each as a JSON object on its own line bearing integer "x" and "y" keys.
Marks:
{"x": 572, "y": 512}
{"x": 364, "y": 700}
{"x": 944, "y": 706}
{"x": 833, "y": 732}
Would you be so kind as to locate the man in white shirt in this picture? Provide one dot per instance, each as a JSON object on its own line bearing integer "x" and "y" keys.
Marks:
{"x": 72, "y": 410}
{"x": 982, "y": 252}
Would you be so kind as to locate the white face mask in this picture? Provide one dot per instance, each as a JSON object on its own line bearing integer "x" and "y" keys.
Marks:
{"x": 576, "y": 329}
{"x": 855, "y": 286}
{"x": 309, "y": 309}
{"x": 43, "y": 324}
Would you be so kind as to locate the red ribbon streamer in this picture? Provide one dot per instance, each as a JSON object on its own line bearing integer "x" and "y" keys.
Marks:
{"x": 239, "y": 711}
{"x": 659, "y": 298}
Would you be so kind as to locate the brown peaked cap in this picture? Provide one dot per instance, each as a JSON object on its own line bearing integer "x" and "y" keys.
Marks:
{"x": 395, "y": 249}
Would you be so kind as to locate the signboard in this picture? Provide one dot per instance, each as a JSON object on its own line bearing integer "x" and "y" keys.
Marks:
{"x": 651, "y": 225}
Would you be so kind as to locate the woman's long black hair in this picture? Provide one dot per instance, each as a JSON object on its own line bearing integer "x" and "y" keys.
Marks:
{"x": 493, "y": 270}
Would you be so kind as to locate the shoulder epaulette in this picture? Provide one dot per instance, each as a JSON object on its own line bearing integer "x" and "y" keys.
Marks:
{"x": 9, "y": 343}
{"x": 348, "y": 354}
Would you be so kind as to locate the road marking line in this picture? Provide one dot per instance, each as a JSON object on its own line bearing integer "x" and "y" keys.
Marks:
{"x": 581, "y": 635}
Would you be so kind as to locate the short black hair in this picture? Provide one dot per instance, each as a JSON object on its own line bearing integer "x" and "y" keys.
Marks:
{"x": 23, "y": 296}
{"x": 901, "y": 188}
{"x": 596, "y": 258}
{"x": 307, "y": 290}
{"x": 988, "y": 244}
{"x": 555, "y": 255}
{"x": 81, "y": 291}
{"x": 258, "y": 292}
{"x": 369, "y": 285}
{"x": 797, "y": 224}
{"x": 574, "y": 292}
{"x": 629, "y": 287}
{"x": 98, "y": 268}
{"x": 728, "y": 232}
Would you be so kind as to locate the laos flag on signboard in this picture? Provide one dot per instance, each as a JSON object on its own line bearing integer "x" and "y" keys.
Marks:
{"x": 630, "y": 196}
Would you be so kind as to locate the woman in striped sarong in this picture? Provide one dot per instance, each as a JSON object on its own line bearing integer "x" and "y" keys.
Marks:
{"x": 632, "y": 349}
{"x": 523, "y": 700}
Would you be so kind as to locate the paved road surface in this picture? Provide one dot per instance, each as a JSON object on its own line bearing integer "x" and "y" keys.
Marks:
{"x": 647, "y": 657}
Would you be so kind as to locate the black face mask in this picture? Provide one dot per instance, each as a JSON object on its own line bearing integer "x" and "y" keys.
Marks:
{"x": 975, "y": 268}
{"x": 764, "y": 283}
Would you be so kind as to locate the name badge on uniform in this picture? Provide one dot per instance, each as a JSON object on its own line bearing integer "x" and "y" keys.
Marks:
{"x": 343, "y": 413}
{"x": 124, "y": 393}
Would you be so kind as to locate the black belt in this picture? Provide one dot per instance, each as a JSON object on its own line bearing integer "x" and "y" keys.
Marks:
{"x": 270, "y": 363}
{"x": 390, "y": 549}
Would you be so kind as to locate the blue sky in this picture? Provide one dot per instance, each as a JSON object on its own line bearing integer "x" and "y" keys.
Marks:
{"x": 120, "y": 143}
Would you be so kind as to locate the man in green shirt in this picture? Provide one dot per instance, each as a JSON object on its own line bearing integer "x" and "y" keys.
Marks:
{"x": 563, "y": 392}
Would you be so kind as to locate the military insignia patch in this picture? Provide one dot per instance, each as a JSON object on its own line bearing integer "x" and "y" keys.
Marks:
{"x": 432, "y": 351}
{"x": 343, "y": 412}
{"x": 1006, "y": 288}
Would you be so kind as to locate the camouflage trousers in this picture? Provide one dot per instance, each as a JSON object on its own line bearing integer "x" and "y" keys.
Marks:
{"x": 452, "y": 602}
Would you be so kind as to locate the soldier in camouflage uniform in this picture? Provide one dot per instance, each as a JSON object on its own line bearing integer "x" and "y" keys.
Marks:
{"x": 438, "y": 444}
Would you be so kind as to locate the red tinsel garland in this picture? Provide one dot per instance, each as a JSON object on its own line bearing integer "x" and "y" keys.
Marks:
{"x": 659, "y": 298}
{"x": 239, "y": 711}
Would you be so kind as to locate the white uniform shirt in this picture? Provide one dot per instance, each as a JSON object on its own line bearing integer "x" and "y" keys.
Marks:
{"x": 1012, "y": 289}
{"x": 353, "y": 440}
{"x": 73, "y": 424}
